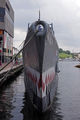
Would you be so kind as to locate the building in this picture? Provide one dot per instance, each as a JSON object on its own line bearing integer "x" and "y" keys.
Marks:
{"x": 6, "y": 30}
{"x": 15, "y": 51}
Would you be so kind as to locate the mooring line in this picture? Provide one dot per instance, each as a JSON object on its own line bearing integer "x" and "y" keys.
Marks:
{"x": 19, "y": 51}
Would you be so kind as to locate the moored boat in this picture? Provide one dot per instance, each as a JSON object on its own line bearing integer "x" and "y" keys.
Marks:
{"x": 40, "y": 59}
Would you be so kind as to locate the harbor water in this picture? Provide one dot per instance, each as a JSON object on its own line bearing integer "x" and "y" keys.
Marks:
{"x": 14, "y": 104}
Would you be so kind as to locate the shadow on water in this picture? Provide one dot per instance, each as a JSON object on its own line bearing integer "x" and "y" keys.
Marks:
{"x": 6, "y": 99}
{"x": 29, "y": 113}
{"x": 6, "y": 106}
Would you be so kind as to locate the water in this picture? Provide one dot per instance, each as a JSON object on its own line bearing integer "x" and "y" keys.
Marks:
{"x": 69, "y": 89}
{"x": 13, "y": 104}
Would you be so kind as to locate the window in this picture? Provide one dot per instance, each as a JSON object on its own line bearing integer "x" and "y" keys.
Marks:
{"x": 0, "y": 39}
{"x": 0, "y": 42}
{"x": 4, "y": 50}
{"x": 2, "y": 13}
{"x": 8, "y": 50}
{"x": 1, "y": 19}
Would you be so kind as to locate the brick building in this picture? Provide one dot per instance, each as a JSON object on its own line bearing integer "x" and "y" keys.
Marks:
{"x": 6, "y": 30}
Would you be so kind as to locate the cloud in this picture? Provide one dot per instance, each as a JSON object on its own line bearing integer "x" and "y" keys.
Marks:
{"x": 20, "y": 36}
{"x": 64, "y": 14}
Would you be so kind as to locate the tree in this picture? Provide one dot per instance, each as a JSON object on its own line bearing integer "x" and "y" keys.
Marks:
{"x": 67, "y": 51}
{"x": 60, "y": 50}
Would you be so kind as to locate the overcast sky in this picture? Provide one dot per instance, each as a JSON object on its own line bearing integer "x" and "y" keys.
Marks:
{"x": 64, "y": 14}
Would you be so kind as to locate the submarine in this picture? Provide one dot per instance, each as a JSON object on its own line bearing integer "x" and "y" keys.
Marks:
{"x": 40, "y": 60}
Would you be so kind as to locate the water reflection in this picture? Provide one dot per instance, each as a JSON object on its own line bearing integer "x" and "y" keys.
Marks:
{"x": 29, "y": 113}
{"x": 14, "y": 105}
{"x": 9, "y": 98}
{"x": 6, "y": 105}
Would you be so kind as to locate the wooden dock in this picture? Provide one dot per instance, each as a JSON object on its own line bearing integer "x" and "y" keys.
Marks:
{"x": 8, "y": 74}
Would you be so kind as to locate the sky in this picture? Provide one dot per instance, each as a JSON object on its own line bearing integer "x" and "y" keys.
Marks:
{"x": 64, "y": 14}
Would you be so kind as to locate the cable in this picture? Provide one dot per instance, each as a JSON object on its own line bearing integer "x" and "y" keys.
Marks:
{"x": 19, "y": 51}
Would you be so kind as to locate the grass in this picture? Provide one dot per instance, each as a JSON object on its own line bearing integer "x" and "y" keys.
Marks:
{"x": 64, "y": 55}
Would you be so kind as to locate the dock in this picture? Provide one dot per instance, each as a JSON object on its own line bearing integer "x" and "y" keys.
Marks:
{"x": 7, "y": 74}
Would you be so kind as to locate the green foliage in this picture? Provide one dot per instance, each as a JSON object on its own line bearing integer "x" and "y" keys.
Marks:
{"x": 65, "y": 54}
{"x": 64, "y": 51}
{"x": 60, "y": 50}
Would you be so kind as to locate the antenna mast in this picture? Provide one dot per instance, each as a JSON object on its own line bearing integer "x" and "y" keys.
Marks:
{"x": 39, "y": 15}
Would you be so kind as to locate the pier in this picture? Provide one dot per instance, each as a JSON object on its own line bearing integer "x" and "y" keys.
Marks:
{"x": 10, "y": 72}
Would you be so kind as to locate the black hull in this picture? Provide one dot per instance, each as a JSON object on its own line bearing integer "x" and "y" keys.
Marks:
{"x": 40, "y": 60}
{"x": 42, "y": 104}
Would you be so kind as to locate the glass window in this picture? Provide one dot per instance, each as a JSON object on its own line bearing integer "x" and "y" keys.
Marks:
{"x": 2, "y": 13}
{"x": 0, "y": 39}
{"x": 1, "y": 19}
{"x": 0, "y": 42}
{"x": 4, "y": 50}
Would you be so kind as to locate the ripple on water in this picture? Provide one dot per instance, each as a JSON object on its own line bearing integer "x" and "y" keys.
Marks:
{"x": 14, "y": 103}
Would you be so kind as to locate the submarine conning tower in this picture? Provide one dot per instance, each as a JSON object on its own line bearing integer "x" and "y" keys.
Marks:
{"x": 40, "y": 26}
{"x": 43, "y": 29}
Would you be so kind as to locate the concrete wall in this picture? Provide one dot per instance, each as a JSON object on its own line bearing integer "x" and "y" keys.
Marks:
{"x": 11, "y": 12}
{"x": 2, "y": 3}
